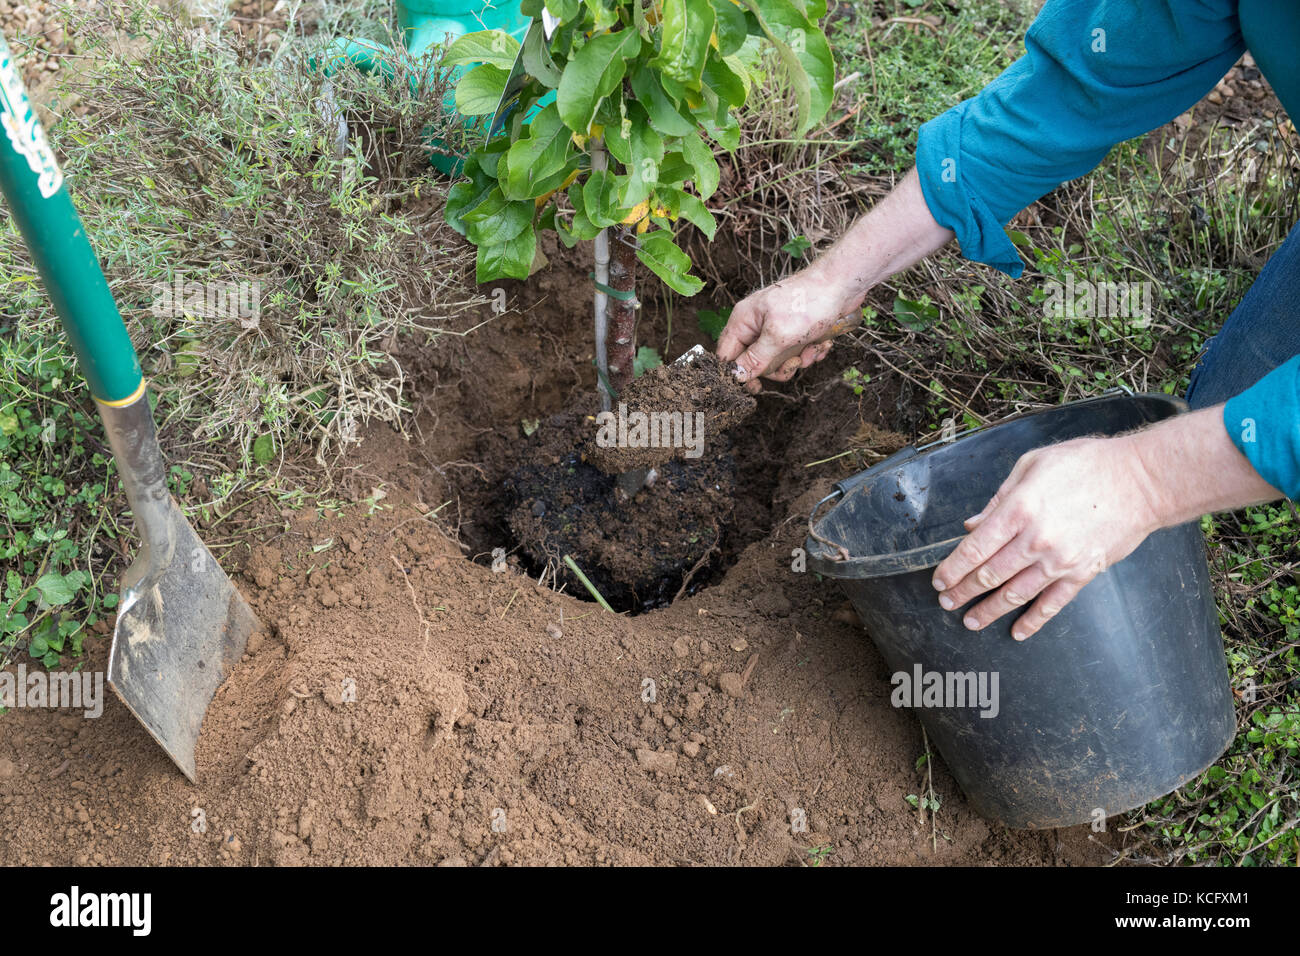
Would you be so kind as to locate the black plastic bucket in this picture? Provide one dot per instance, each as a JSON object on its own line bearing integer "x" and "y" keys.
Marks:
{"x": 1119, "y": 699}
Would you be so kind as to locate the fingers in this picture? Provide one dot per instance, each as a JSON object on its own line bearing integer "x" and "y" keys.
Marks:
{"x": 993, "y": 533}
{"x": 1017, "y": 592}
{"x": 743, "y": 327}
{"x": 786, "y": 370}
{"x": 1048, "y": 605}
{"x": 1007, "y": 563}
{"x": 814, "y": 353}
{"x": 757, "y": 359}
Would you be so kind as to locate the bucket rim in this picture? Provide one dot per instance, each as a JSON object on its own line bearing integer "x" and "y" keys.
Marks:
{"x": 923, "y": 557}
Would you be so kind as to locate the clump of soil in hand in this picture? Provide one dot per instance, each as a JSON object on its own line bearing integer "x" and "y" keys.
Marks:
{"x": 637, "y": 553}
{"x": 699, "y": 400}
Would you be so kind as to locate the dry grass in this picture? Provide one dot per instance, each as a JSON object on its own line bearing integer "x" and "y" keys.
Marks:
{"x": 195, "y": 153}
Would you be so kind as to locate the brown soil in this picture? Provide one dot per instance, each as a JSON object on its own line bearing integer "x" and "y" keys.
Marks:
{"x": 409, "y": 705}
{"x": 699, "y": 387}
{"x": 637, "y": 553}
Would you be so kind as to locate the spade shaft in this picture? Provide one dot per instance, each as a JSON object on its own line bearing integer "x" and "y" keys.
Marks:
{"x": 181, "y": 623}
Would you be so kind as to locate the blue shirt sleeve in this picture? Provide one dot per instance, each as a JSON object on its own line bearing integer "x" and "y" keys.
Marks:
{"x": 1094, "y": 73}
{"x": 1264, "y": 424}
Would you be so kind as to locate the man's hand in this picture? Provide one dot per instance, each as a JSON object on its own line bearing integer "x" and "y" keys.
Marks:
{"x": 788, "y": 326}
{"x": 1067, "y": 512}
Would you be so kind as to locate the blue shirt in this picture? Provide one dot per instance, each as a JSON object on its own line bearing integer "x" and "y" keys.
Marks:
{"x": 1094, "y": 73}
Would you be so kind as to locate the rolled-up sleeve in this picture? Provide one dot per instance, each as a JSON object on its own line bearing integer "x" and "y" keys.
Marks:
{"x": 1094, "y": 73}
{"x": 1264, "y": 424}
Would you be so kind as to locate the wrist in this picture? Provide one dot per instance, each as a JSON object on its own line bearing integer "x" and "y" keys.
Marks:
{"x": 838, "y": 280}
{"x": 1190, "y": 467}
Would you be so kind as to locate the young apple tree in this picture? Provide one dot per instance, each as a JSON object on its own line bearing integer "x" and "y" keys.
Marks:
{"x": 620, "y": 106}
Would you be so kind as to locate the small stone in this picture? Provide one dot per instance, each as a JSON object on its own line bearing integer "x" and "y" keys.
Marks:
{"x": 553, "y": 631}
{"x": 691, "y": 749}
{"x": 733, "y": 685}
{"x": 539, "y": 508}
{"x": 739, "y": 645}
{"x": 7, "y": 769}
{"x": 655, "y": 761}
{"x": 680, "y": 647}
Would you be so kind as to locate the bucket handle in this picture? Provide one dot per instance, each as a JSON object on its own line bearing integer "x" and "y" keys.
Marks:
{"x": 842, "y": 488}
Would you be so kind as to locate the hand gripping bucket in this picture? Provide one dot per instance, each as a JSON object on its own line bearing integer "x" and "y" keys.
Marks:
{"x": 1119, "y": 699}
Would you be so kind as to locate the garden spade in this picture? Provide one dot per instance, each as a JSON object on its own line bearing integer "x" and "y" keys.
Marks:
{"x": 181, "y": 624}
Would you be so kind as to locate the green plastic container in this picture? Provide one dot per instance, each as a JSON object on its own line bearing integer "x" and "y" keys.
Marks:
{"x": 424, "y": 24}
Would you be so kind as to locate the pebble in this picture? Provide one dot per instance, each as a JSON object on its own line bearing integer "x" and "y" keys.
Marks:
{"x": 733, "y": 685}
{"x": 653, "y": 760}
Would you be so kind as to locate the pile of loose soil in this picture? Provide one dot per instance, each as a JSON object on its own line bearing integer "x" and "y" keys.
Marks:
{"x": 637, "y": 553}
{"x": 699, "y": 387}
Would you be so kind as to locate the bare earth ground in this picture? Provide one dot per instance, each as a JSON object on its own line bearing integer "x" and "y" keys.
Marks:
{"x": 498, "y": 722}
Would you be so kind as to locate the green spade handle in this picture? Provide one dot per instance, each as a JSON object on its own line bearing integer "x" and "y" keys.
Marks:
{"x": 38, "y": 200}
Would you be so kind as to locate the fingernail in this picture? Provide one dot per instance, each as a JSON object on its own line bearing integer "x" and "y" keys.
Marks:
{"x": 939, "y": 585}
{"x": 1019, "y": 635}
{"x": 971, "y": 622}
{"x": 739, "y": 373}
{"x": 947, "y": 603}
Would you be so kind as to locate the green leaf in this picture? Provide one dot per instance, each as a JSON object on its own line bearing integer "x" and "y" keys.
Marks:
{"x": 917, "y": 316}
{"x": 263, "y": 448}
{"x": 59, "y": 589}
{"x": 796, "y": 247}
{"x": 592, "y": 74}
{"x": 37, "y": 647}
{"x": 687, "y": 27}
{"x": 512, "y": 259}
{"x": 186, "y": 359}
{"x": 704, "y": 166}
{"x": 805, "y": 53}
{"x": 538, "y": 61}
{"x": 600, "y": 198}
{"x": 721, "y": 78}
{"x": 497, "y": 219}
{"x": 8, "y": 423}
{"x": 664, "y": 113}
{"x": 646, "y": 153}
{"x": 539, "y": 156}
{"x": 479, "y": 91}
{"x": 712, "y": 323}
{"x": 730, "y": 27}
{"x": 689, "y": 207}
{"x": 660, "y": 255}
{"x": 646, "y": 358}
{"x": 564, "y": 10}
{"x": 484, "y": 46}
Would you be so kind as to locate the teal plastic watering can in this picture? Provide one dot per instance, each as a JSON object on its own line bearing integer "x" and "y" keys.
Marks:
{"x": 422, "y": 25}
